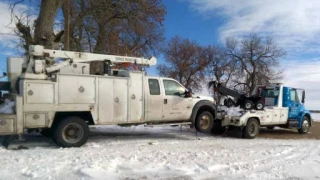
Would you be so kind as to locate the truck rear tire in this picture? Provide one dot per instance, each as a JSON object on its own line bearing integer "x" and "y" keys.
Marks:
{"x": 305, "y": 125}
{"x": 252, "y": 129}
{"x": 71, "y": 132}
{"x": 204, "y": 122}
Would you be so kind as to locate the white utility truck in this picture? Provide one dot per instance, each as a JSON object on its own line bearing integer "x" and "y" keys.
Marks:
{"x": 282, "y": 108}
{"x": 56, "y": 93}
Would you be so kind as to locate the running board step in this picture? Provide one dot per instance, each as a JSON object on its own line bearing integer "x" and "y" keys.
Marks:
{"x": 168, "y": 124}
{"x": 293, "y": 124}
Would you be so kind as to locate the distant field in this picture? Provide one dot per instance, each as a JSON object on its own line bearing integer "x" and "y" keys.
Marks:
{"x": 315, "y": 116}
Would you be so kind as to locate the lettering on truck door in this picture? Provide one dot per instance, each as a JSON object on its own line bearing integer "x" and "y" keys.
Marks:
{"x": 176, "y": 105}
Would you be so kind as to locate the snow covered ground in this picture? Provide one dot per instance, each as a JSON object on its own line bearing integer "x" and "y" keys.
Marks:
{"x": 163, "y": 153}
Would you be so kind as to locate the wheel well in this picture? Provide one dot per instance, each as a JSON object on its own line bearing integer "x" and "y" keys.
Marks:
{"x": 254, "y": 118}
{"x": 309, "y": 118}
{"x": 86, "y": 115}
{"x": 206, "y": 108}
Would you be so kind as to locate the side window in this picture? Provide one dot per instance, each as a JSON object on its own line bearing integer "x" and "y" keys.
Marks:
{"x": 154, "y": 87}
{"x": 270, "y": 93}
{"x": 294, "y": 96}
{"x": 173, "y": 88}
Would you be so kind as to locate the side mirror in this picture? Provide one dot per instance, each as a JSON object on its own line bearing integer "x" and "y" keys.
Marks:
{"x": 188, "y": 93}
{"x": 5, "y": 74}
{"x": 303, "y": 96}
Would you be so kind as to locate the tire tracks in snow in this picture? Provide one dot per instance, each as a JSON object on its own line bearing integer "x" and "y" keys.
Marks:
{"x": 260, "y": 168}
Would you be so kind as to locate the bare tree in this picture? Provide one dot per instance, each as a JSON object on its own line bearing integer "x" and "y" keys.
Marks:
{"x": 185, "y": 61}
{"x": 256, "y": 60}
{"x": 43, "y": 26}
{"x": 221, "y": 67}
{"x": 126, "y": 27}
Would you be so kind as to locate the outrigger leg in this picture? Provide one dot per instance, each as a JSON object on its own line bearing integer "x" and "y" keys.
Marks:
{"x": 6, "y": 141}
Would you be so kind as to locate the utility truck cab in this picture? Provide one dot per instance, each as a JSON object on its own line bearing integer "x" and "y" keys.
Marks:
{"x": 62, "y": 98}
{"x": 283, "y": 108}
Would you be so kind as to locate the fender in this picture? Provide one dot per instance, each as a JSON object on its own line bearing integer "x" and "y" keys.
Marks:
{"x": 197, "y": 107}
{"x": 302, "y": 114}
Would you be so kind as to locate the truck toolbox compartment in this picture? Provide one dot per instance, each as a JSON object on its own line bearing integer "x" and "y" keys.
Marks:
{"x": 39, "y": 93}
{"x": 7, "y": 124}
{"x": 35, "y": 120}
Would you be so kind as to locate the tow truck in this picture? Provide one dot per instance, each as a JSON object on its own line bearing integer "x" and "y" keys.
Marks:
{"x": 282, "y": 108}
{"x": 57, "y": 94}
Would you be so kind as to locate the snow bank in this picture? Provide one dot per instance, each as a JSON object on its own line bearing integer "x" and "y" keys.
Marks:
{"x": 163, "y": 153}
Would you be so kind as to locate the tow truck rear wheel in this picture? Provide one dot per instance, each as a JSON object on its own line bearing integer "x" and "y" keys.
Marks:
{"x": 204, "y": 122}
{"x": 252, "y": 129}
{"x": 305, "y": 125}
{"x": 71, "y": 132}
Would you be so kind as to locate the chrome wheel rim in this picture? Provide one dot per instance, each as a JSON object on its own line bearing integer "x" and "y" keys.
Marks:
{"x": 205, "y": 122}
{"x": 248, "y": 105}
{"x": 72, "y": 133}
{"x": 305, "y": 126}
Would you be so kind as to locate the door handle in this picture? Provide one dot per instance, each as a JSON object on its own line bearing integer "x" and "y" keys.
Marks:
{"x": 165, "y": 101}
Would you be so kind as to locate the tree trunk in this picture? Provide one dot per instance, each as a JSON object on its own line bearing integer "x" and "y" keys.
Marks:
{"x": 44, "y": 34}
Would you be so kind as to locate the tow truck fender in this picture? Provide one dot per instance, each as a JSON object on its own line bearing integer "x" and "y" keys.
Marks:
{"x": 302, "y": 114}
{"x": 202, "y": 105}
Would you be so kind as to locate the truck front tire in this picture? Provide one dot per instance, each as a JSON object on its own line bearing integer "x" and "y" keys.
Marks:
{"x": 305, "y": 127}
{"x": 204, "y": 122}
{"x": 251, "y": 130}
{"x": 71, "y": 132}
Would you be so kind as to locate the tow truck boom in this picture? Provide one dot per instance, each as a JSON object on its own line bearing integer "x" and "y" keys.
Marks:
{"x": 245, "y": 102}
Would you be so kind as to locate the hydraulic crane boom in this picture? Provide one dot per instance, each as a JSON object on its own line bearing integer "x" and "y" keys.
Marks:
{"x": 80, "y": 57}
{"x": 38, "y": 66}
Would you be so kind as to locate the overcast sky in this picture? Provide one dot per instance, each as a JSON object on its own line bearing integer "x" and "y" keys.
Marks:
{"x": 294, "y": 24}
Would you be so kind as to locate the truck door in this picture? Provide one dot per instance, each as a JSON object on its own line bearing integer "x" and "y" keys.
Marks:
{"x": 294, "y": 104}
{"x": 154, "y": 104}
{"x": 176, "y": 106}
